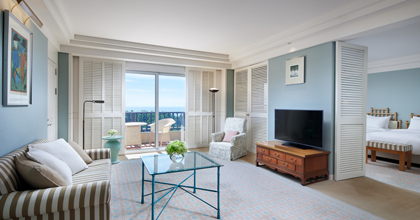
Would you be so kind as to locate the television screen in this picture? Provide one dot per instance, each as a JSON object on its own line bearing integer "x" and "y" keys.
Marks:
{"x": 299, "y": 128}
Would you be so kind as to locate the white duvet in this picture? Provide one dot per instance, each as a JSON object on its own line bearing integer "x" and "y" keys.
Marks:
{"x": 404, "y": 136}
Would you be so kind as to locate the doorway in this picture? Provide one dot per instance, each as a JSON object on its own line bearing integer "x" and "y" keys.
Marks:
{"x": 147, "y": 93}
{"x": 52, "y": 101}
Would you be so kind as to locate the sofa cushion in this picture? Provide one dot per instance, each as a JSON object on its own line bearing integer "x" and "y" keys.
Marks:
{"x": 9, "y": 180}
{"x": 52, "y": 162}
{"x": 79, "y": 150}
{"x": 99, "y": 170}
{"x": 63, "y": 151}
{"x": 38, "y": 175}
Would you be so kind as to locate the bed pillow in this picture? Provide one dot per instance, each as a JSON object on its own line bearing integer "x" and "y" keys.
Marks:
{"x": 63, "y": 151}
{"x": 79, "y": 150}
{"x": 414, "y": 124}
{"x": 38, "y": 175}
{"x": 52, "y": 162}
{"x": 229, "y": 135}
{"x": 377, "y": 122}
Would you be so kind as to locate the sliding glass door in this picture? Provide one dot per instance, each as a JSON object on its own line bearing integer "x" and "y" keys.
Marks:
{"x": 147, "y": 93}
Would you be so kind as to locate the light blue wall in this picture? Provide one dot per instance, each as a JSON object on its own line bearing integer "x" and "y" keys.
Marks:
{"x": 317, "y": 93}
{"x": 63, "y": 95}
{"x": 229, "y": 92}
{"x": 396, "y": 90}
{"x": 22, "y": 125}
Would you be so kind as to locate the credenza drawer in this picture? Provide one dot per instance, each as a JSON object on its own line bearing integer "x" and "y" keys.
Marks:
{"x": 277, "y": 154}
{"x": 269, "y": 159}
{"x": 295, "y": 160}
{"x": 263, "y": 151}
{"x": 299, "y": 169}
{"x": 286, "y": 165}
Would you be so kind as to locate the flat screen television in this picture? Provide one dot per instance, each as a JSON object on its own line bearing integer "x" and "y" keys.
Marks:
{"x": 299, "y": 128}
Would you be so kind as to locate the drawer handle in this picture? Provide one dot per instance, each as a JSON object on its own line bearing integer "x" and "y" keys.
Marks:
{"x": 262, "y": 150}
{"x": 291, "y": 159}
{"x": 275, "y": 154}
{"x": 284, "y": 164}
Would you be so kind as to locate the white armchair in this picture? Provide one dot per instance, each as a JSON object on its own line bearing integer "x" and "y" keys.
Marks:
{"x": 164, "y": 128}
{"x": 236, "y": 148}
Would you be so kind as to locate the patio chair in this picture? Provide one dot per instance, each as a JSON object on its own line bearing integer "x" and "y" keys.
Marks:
{"x": 164, "y": 128}
{"x": 236, "y": 147}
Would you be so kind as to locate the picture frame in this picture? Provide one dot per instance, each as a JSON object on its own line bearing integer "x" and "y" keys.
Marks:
{"x": 295, "y": 71}
{"x": 17, "y": 62}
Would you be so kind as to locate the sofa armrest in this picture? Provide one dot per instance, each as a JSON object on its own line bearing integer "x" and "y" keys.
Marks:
{"x": 97, "y": 154}
{"x": 45, "y": 201}
{"x": 238, "y": 140}
{"x": 217, "y": 137}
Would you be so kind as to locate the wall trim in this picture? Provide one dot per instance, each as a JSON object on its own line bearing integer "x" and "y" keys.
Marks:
{"x": 394, "y": 64}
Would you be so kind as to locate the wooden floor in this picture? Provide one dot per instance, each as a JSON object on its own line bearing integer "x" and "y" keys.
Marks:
{"x": 378, "y": 198}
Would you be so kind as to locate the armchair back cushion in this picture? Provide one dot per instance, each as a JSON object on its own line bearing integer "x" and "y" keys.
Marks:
{"x": 9, "y": 180}
{"x": 235, "y": 124}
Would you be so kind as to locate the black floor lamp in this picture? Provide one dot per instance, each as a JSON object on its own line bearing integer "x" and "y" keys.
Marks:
{"x": 214, "y": 90}
{"x": 93, "y": 101}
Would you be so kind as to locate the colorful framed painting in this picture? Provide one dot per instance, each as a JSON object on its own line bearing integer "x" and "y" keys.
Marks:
{"x": 17, "y": 62}
{"x": 295, "y": 71}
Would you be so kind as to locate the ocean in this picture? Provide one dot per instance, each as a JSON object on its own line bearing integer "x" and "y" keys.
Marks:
{"x": 152, "y": 109}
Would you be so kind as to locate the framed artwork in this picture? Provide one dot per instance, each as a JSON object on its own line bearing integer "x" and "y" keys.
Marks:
{"x": 17, "y": 62}
{"x": 295, "y": 71}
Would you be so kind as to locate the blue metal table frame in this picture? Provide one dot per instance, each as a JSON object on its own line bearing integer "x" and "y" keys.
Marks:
{"x": 175, "y": 187}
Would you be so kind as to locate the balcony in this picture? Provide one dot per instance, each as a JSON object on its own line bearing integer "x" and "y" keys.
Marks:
{"x": 146, "y": 138}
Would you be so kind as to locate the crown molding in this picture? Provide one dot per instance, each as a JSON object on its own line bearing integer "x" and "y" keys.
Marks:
{"x": 394, "y": 64}
{"x": 132, "y": 47}
{"x": 356, "y": 18}
{"x": 136, "y": 57}
{"x": 59, "y": 16}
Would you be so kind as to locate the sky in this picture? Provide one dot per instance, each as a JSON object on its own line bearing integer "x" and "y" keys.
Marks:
{"x": 140, "y": 90}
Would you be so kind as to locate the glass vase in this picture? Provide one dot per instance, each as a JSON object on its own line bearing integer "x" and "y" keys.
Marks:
{"x": 177, "y": 158}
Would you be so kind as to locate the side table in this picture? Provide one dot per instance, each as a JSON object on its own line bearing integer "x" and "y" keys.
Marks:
{"x": 115, "y": 146}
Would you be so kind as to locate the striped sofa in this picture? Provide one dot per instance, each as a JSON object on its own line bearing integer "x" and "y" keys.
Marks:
{"x": 87, "y": 198}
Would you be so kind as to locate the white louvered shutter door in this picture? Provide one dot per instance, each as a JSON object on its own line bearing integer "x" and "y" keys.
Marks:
{"x": 350, "y": 115}
{"x": 241, "y": 93}
{"x": 199, "y": 106}
{"x": 101, "y": 80}
{"x": 259, "y": 105}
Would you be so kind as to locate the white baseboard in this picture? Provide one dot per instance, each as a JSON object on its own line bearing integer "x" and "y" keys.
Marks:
{"x": 331, "y": 177}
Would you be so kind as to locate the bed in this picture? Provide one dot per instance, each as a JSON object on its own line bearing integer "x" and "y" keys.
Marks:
{"x": 398, "y": 135}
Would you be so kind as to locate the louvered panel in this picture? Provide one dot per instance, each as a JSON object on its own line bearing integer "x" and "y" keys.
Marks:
{"x": 350, "y": 111}
{"x": 240, "y": 116}
{"x": 351, "y": 142}
{"x": 118, "y": 90}
{"x": 197, "y": 130}
{"x": 197, "y": 92}
{"x": 191, "y": 89}
{"x": 87, "y": 83}
{"x": 97, "y": 132}
{"x": 108, "y": 124}
{"x": 109, "y": 86}
{"x": 208, "y": 93}
{"x": 258, "y": 131}
{"x": 259, "y": 95}
{"x": 205, "y": 129}
{"x": 241, "y": 93}
{"x": 97, "y": 85}
{"x": 88, "y": 133}
{"x": 205, "y": 91}
{"x": 191, "y": 131}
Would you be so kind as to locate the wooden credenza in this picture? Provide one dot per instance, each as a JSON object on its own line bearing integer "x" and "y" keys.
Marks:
{"x": 303, "y": 164}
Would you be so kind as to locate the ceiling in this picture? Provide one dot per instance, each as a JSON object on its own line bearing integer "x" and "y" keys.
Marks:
{"x": 398, "y": 42}
{"x": 218, "y": 26}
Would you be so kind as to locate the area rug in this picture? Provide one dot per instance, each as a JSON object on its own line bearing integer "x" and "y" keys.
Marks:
{"x": 247, "y": 192}
{"x": 389, "y": 173}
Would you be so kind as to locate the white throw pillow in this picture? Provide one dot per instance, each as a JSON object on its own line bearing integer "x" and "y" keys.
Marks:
{"x": 63, "y": 151}
{"x": 52, "y": 162}
{"x": 414, "y": 124}
{"x": 377, "y": 122}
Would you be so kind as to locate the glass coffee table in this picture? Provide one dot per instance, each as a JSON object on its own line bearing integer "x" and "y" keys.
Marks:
{"x": 162, "y": 164}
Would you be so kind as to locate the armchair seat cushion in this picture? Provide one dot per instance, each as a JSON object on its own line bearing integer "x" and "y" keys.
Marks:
{"x": 221, "y": 145}
{"x": 99, "y": 170}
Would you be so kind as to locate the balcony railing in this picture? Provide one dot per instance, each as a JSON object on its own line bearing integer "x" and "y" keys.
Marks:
{"x": 149, "y": 118}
